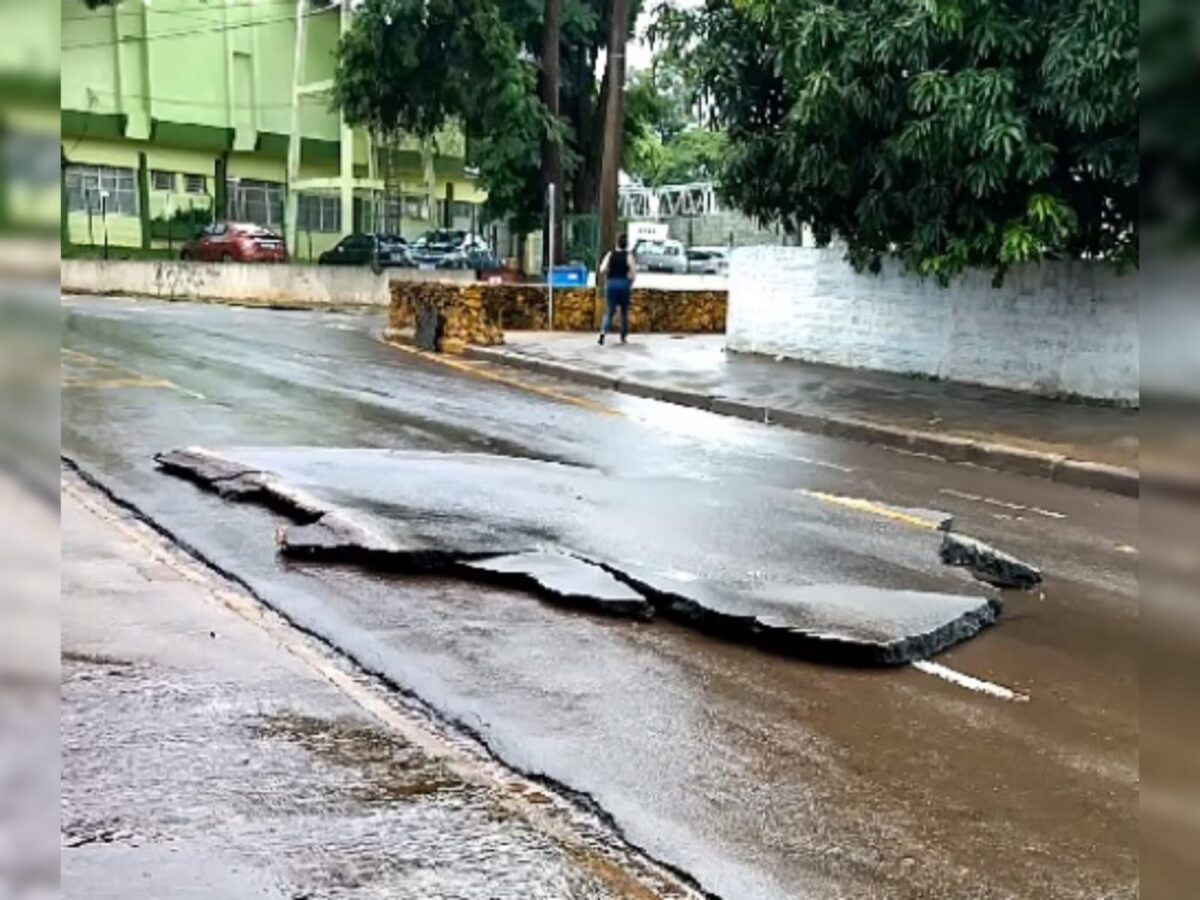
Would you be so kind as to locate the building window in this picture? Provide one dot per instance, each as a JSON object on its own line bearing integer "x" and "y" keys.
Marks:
{"x": 195, "y": 184}
{"x": 260, "y": 202}
{"x": 102, "y": 187}
{"x": 416, "y": 207}
{"x": 162, "y": 181}
{"x": 319, "y": 212}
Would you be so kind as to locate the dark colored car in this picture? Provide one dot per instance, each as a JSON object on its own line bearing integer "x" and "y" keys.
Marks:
{"x": 236, "y": 242}
{"x": 376, "y": 250}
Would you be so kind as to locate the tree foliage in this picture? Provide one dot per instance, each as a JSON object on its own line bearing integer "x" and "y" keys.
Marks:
{"x": 416, "y": 66}
{"x": 665, "y": 142}
{"x": 951, "y": 133}
{"x": 1169, "y": 146}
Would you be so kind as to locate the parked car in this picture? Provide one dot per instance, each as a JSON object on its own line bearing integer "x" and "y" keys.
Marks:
{"x": 660, "y": 256}
{"x": 708, "y": 261}
{"x": 379, "y": 251}
{"x": 235, "y": 242}
{"x": 474, "y": 259}
{"x": 429, "y": 250}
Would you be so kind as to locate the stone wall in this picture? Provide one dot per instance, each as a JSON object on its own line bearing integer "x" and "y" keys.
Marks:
{"x": 251, "y": 283}
{"x": 481, "y": 313}
{"x": 1054, "y": 329}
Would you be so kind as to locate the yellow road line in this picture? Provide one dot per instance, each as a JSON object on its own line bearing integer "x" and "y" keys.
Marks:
{"x": 109, "y": 384}
{"x": 86, "y": 357}
{"x": 875, "y": 509}
{"x": 479, "y": 372}
{"x": 125, "y": 377}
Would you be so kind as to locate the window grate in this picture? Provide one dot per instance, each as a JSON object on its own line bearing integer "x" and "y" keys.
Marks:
{"x": 102, "y": 189}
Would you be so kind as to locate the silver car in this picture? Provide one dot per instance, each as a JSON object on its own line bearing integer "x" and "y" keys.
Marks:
{"x": 660, "y": 256}
{"x": 708, "y": 261}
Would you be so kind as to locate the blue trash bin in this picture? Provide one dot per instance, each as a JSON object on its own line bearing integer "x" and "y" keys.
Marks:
{"x": 569, "y": 276}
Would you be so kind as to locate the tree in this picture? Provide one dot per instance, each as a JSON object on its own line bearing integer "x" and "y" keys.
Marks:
{"x": 414, "y": 67}
{"x": 552, "y": 163}
{"x": 614, "y": 124}
{"x": 411, "y": 67}
{"x": 949, "y": 133}
{"x": 665, "y": 140}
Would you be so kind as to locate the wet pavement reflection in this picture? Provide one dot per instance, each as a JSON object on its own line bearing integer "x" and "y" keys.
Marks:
{"x": 761, "y": 776}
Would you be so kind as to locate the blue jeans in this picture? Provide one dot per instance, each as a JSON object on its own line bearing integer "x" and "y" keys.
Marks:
{"x": 618, "y": 294}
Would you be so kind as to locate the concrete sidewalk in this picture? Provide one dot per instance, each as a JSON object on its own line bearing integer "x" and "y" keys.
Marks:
{"x": 1091, "y": 445}
{"x": 210, "y": 750}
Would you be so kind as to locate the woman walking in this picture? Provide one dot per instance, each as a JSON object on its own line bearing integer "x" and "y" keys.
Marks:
{"x": 621, "y": 269}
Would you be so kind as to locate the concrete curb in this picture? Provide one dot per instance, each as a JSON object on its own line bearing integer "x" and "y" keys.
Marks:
{"x": 1004, "y": 457}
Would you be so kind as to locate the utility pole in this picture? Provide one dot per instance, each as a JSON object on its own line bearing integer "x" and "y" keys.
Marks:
{"x": 614, "y": 126}
{"x": 291, "y": 200}
{"x": 552, "y": 167}
{"x": 550, "y": 271}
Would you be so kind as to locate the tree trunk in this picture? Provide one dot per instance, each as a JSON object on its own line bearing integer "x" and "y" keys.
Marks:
{"x": 591, "y": 148}
{"x": 552, "y": 165}
{"x": 614, "y": 122}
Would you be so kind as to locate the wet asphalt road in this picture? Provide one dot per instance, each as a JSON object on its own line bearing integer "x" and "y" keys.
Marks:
{"x": 761, "y": 776}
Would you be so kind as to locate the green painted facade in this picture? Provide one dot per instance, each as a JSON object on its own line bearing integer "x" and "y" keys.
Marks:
{"x": 192, "y": 100}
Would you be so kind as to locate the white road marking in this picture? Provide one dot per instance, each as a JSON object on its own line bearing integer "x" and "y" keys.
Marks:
{"x": 970, "y": 682}
{"x": 917, "y": 453}
{"x": 961, "y": 495}
{"x": 1003, "y": 504}
{"x": 821, "y": 463}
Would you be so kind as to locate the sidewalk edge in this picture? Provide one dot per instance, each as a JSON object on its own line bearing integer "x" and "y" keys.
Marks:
{"x": 1004, "y": 457}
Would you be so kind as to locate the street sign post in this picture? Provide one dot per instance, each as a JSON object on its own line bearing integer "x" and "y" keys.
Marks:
{"x": 550, "y": 257}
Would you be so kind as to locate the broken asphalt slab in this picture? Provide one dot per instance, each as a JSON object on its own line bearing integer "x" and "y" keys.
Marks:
{"x": 988, "y": 564}
{"x": 755, "y": 568}
{"x": 567, "y": 579}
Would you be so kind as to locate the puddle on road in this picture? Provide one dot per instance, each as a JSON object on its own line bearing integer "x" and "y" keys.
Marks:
{"x": 387, "y": 769}
{"x": 204, "y": 784}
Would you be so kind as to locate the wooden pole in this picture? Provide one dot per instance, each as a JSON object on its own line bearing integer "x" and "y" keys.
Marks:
{"x": 552, "y": 166}
{"x": 614, "y": 131}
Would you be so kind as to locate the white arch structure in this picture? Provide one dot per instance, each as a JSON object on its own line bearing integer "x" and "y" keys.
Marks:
{"x": 668, "y": 201}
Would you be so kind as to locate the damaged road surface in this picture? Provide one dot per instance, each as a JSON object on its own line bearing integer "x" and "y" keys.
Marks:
{"x": 580, "y": 537}
{"x": 760, "y": 775}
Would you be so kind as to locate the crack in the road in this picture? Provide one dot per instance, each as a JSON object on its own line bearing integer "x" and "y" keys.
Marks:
{"x": 583, "y": 800}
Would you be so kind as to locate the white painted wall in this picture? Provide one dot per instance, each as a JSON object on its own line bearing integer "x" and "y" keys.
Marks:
{"x": 1053, "y": 329}
{"x": 241, "y": 282}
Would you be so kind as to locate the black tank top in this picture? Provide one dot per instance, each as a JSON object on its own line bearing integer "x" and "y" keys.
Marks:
{"x": 618, "y": 264}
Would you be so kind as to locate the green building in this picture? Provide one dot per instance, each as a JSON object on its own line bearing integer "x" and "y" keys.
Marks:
{"x": 175, "y": 111}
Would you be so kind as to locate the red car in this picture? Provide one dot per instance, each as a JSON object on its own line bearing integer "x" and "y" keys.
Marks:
{"x": 236, "y": 242}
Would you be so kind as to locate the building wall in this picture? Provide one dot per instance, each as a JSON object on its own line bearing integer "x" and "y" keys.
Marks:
{"x": 1051, "y": 329}
{"x": 193, "y": 82}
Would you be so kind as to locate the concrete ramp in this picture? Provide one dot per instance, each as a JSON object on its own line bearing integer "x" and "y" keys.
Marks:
{"x": 750, "y": 566}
